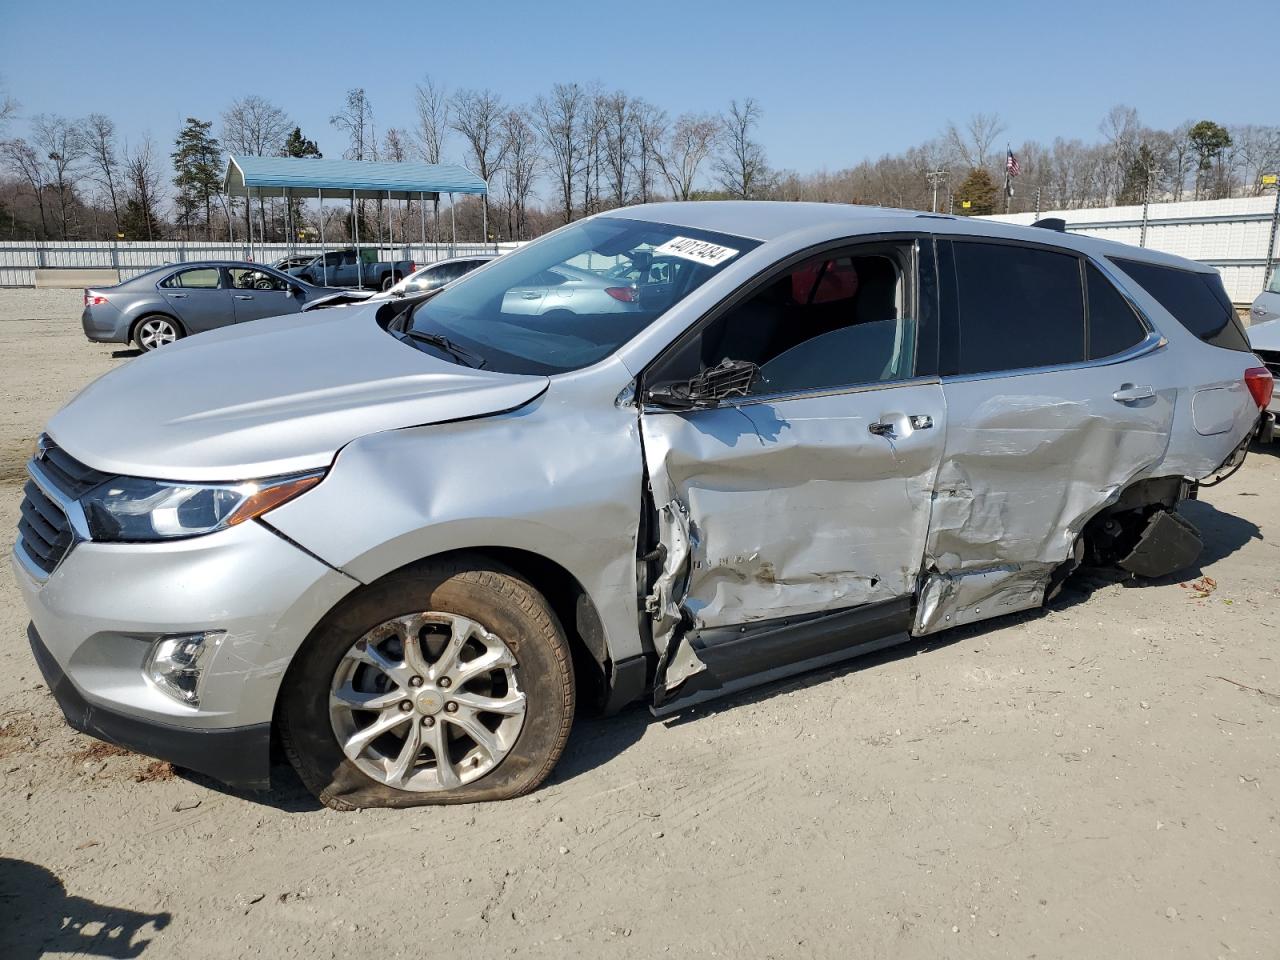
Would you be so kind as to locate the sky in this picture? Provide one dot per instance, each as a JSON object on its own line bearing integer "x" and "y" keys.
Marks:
{"x": 837, "y": 82}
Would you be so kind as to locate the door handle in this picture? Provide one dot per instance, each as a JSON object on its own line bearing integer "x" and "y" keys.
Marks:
{"x": 530, "y": 296}
{"x": 1128, "y": 393}
{"x": 178, "y": 296}
{"x": 241, "y": 296}
{"x": 921, "y": 421}
{"x": 881, "y": 429}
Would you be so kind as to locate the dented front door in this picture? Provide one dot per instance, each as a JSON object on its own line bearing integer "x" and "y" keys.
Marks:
{"x": 769, "y": 509}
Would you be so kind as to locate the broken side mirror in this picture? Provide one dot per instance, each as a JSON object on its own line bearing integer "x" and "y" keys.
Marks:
{"x": 729, "y": 378}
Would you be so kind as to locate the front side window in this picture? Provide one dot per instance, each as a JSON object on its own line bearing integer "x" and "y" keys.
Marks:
{"x": 839, "y": 319}
{"x": 553, "y": 305}
{"x": 201, "y": 278}
{"x": 1196, "y": 300}
{"x": 247, "y": 278}
{"x": 1015, "y": 307}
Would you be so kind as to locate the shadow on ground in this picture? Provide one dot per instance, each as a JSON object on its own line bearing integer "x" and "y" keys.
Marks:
{"x": 38, "y": 917}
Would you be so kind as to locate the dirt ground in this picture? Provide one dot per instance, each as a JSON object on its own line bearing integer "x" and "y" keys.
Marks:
{"x": 1100, "y": 779}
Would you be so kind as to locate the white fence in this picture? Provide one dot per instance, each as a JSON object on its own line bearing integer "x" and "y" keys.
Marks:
{"x": 1231, "y": 235}
{"x": 19, "y": 260}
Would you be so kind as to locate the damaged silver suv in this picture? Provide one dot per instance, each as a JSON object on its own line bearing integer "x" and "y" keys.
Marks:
{"x": 667, "y": 452}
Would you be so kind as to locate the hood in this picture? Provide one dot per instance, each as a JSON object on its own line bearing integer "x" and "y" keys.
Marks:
{"x": 1265, "y": 336}
{"x": 271, "y": 397}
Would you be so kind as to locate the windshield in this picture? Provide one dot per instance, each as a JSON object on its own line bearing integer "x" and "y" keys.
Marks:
{"x": 572, "y": 298}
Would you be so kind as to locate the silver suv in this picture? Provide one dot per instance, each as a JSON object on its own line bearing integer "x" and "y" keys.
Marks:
{"x": 407, "y": 539}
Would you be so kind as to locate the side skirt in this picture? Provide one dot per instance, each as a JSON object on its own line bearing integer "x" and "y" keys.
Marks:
{"x": 740, "y": 657}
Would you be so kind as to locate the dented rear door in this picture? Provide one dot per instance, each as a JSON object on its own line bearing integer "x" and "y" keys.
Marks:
{"x": 1059, "y": 396}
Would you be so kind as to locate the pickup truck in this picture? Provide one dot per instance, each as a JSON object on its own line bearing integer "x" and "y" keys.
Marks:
{"x": 339, "y": 268}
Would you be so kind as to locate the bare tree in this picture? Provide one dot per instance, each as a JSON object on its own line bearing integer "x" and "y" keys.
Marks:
{"x": 680, "y": 156}
{"x": 356, "y": 119}
{"x": 1122, "y": 131}
{"x": 593, "y": 134}
{"x": 100, "y": 136}
{"x": 22, "y": 158}
{"x": 477, "y": 116}
{"x": 972, "y": 145}
{"x": 253, "y": 126}
{"x": 558, "y": 119}
{"x": 621, "y": 143}
{"x": 8, "y": 109}
{"x": 742, "y": 168}
{"x": 651, "y": 131}
{"x": 522, "y": 164}
{"x": 144, "y": 178}
{"x": 63, "y": 143}
{"x": 432, "y": 102}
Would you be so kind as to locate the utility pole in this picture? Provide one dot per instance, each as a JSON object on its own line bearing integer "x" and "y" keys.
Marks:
{"x": 1146, "y": 205}
{"x": 936, "y": 179}
{"x": 1273, "y": 181}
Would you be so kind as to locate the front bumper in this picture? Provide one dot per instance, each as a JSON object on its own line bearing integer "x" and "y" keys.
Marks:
{"x": 99, "y": 612}
{"x": 238, "y": 756}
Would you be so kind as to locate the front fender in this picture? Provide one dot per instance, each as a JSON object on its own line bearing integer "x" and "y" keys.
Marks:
{"x": 555, "y": 478}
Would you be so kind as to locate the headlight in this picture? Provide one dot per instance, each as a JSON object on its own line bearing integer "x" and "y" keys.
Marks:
{"x": 132, "y": 509}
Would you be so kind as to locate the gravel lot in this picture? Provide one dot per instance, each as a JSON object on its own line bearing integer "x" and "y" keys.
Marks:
{"x": 1101, "y": 779}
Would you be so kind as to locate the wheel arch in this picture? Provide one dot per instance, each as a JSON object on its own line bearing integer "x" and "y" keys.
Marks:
{"x": 564, "y": 593}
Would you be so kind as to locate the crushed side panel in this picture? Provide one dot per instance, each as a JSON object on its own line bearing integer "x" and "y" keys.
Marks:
{"x": 1021, "y": 475}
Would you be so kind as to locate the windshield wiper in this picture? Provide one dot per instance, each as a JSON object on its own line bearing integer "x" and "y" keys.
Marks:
{"x": 440, "y": 342}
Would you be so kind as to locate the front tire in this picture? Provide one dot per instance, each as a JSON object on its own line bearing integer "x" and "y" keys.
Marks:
{"x": 441, "y": 683}
{"x": 154, "y": 332}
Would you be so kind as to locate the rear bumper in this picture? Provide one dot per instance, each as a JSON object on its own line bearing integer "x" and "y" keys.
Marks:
{"x": 238, "y": 756}
{"x": 103, "y": 324}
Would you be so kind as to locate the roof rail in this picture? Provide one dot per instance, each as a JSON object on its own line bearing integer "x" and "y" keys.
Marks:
{"x": 1052, "y": 223}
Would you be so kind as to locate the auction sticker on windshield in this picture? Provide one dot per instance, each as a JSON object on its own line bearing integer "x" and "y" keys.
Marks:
{"x": 699, "y": 251}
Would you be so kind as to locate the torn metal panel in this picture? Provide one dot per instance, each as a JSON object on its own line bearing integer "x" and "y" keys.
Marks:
{"x": 1169, "y": 543}
{"x": 664, "y": 604}
{"x": 1021, "y": 474}
{"x": 796, "y": 506}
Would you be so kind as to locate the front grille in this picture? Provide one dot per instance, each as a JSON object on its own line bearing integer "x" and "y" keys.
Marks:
{"x": 45, "y": 529}
{"x": 1272, "y": 359}
{"x": 69, "y": 475}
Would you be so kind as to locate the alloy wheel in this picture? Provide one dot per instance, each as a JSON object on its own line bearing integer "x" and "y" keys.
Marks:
{"x": 427, "y": 701}
{"x": 156, "y": 333}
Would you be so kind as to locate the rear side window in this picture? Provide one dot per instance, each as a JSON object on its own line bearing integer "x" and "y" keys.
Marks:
{"x": 202, "y": 278}
{"x": 1016, "y": 307}
{"x": 1198, "y": 301}
{"x": 1113, "y": 326}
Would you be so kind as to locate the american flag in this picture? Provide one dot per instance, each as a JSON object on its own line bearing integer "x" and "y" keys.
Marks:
{"x": 1011, "y": 164}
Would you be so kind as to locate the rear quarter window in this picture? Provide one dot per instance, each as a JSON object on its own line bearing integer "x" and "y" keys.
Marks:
{"x": 1198, "y": 301}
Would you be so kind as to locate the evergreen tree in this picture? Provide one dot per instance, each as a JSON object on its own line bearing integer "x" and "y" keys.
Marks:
{"x": 198, "y": 164}
{"x": 296, "y": 145}
{"x": 133, "y": 222}
{"x": 980, "y": 190}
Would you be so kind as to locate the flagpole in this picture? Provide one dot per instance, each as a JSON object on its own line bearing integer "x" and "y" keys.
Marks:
{"x": 1008, "y": 195}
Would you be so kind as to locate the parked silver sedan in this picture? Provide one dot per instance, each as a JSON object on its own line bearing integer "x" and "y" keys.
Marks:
{"x": 163, "y": 305}
{"x": 404, "y": 543}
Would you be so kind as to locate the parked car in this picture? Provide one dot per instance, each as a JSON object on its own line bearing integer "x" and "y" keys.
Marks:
{"x": 407, "y": 539}
{"x": 354, "y": 268}
{"x": 423, "y": 280}
{"x": 1264, "y": 337}
{"x": 163, "y": 305}
{"x": 1266, "y": 306}
{"x": 285, "y": 264}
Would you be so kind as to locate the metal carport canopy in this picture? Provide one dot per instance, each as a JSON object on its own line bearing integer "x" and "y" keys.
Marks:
{"x": 303, "y": 177}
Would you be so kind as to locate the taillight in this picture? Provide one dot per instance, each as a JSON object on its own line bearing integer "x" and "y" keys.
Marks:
{"x": 1260, "y": 384}
{"x": 93, "y": 299}
{"x": 625, "y": 294}
{"x": 412, "y": 267}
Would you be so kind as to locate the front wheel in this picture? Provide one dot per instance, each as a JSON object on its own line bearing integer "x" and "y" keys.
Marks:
{"x": 442, "y": 683}
{"x": 154, "y": 332}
